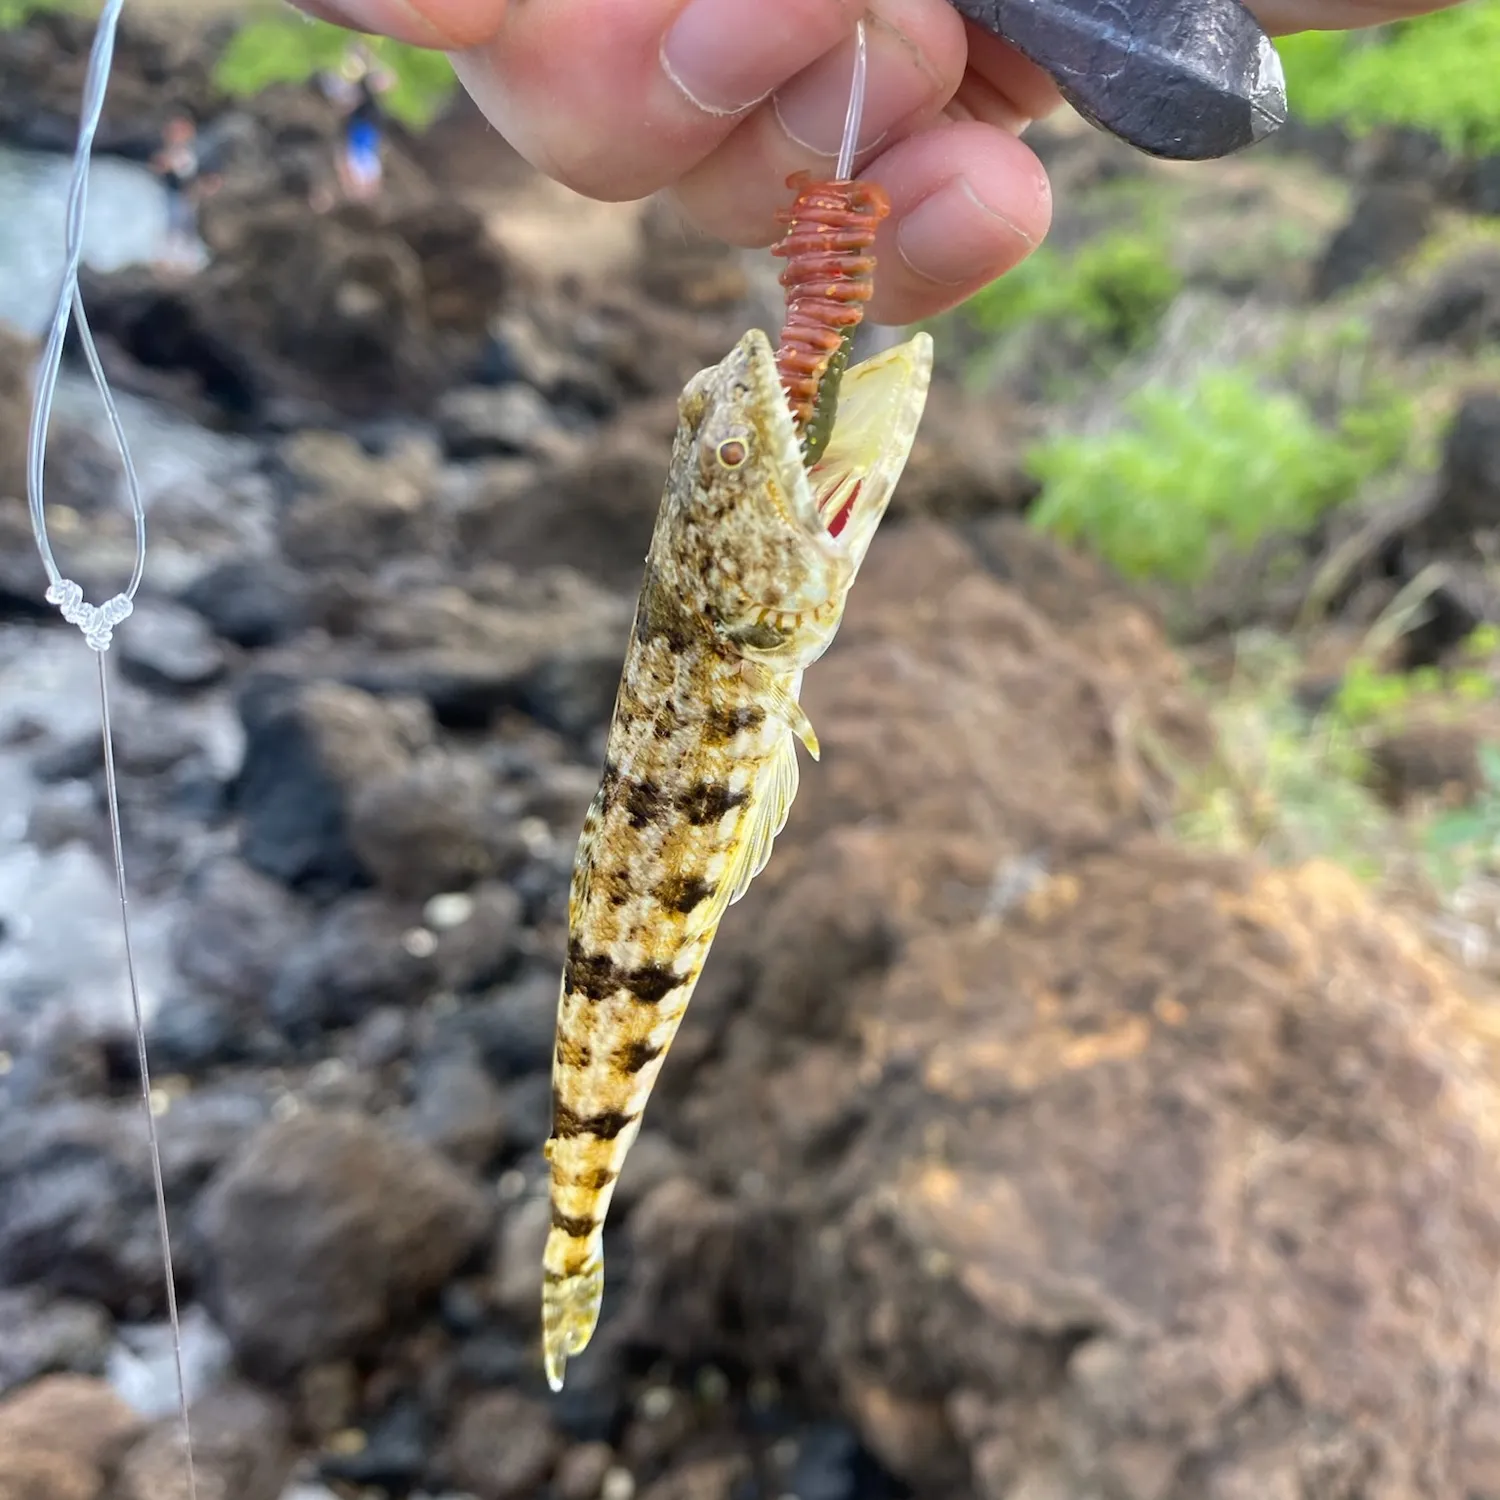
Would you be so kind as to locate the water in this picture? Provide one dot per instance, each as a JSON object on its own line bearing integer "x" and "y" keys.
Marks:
{"x": 126, "y": 223}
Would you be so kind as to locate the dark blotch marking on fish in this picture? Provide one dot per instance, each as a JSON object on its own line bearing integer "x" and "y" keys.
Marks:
{"x": 634, "y": 1056}
{"x": 659, "y": 615}
{"x": 572, "y": 1053}
{"x": 578, "y": 1228}
{"x": 708, "y": 802}
{"x": 567, "y": 1126}
{"x": 683, "y": 893}
{"x": 723, "y": 724}
{"x": 652, "y": 983}
{"x": 645, "y": 802}
{"x": 595, "y": 976}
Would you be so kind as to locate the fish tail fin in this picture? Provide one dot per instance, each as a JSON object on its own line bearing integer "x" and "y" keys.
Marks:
{"x": 570, "y": 1305}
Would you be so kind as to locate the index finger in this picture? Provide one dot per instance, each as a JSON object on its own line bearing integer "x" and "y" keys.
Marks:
{"x": 446, "y": 25}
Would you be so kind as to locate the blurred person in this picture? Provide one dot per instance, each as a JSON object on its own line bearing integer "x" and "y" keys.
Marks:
{"x": 178, "y": 168}
{"x": 720, "y": 100}
{"x": 357, "y": 88}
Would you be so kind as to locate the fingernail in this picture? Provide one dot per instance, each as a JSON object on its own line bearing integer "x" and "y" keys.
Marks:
{"x": 357, "y": 15}
{"x": 812, "y": 106}
{"x": 723, "y": 56}
{"x": 952, "y": 236}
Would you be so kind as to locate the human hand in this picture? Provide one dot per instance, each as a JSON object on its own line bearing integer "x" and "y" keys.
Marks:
{"x": 719, "y": 101}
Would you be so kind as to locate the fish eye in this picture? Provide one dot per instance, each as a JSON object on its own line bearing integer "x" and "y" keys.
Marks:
{"x": 733, "y": 452}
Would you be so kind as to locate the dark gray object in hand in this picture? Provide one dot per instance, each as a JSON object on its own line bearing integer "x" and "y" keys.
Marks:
{"x": 1186, "y": 79}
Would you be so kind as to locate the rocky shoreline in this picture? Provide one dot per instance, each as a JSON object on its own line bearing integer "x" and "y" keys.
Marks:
{"x": 1009, "y": 1149}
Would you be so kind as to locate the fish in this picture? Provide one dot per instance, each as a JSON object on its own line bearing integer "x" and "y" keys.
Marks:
{"x": 750, "y": 564}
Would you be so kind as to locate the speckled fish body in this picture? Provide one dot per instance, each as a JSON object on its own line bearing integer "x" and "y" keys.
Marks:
{"x": 746, "y": 579}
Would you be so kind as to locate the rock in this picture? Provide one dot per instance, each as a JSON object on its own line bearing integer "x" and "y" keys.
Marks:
{"x": 1389, "y": 221}
{"x": 480, "y": 422}
{"x": 502, "y": 1447}
{"x": 1467, "y": 507}
{"x": 393, "y": 1455}
{"x": 168, "y": 647}
{"x": 308, "y": 748}
{"x": 1163, "y": 1172}
{"x": 77, "y": 1208}
{"x": 350, "y": 509}
{"x": 478, "y": 942}
{"x": 361, "y": 955}
{"x": 1461, "y": 306}
{"x": 716, "y": 1478}
{"x": 523, "y": 1234}
{"x": 251, "y": 601}
{"x": 968, "y": 460}
{"x": 365, "y": 310}
{"x": 1428, "y": 759}
{"x": 458, "y": 1111}
{"x": 592, "y": 511}
{"x": 17, "y": 356}
{"x": 540, "y": 644}
{"x": 241, "y": 1451}
{"x": 45, "y": 1336}
{"x": 324, "y": 1231}
{"x": 428, "y": 829}
{"x": 512, "y": 1031}
{"x": 160, "y": 64}
{"x": 58, "y": 1437}
{"x": 580, "y": 1472}
{"x": 147, "y": 742}
{"x": 235, "y": 931}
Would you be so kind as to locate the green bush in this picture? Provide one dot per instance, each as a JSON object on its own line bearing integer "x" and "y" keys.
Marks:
{"x": 1208, "y": 471}
{"x": 1112, "y": 291}
{"x": 14, "y": 12}
{"x": 286, "y": 48}
{"x": 1436, "y": 74}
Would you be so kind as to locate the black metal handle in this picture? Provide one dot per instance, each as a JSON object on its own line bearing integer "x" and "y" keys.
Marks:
{"x": 1186, "y": 79}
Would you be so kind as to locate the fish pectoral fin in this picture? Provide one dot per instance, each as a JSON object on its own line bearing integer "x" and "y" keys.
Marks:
{"x": 785, "y": 707}
{"x": 775, "y": 791}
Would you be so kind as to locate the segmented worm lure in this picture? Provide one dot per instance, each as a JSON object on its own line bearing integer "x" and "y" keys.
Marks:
{"x": 829, "y": 276}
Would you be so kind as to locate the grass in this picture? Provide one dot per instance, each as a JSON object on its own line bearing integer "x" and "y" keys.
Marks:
{"x": 1429, "y": 74}
{"x": 1195, "y": 474}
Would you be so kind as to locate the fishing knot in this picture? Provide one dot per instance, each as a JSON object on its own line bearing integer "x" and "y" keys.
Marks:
{"x": 96, "y": 621}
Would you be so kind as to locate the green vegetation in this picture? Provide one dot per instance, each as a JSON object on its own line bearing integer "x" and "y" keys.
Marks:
{"x": 14, "y": 12}
{"x": 1292, "y": 785}
{"x": 1371, "y": 698}
{"x": 287, "y": 48}
{"x": 1466, "y": 838}
{"x": 1206, "y": 471}
{"x": 1282, "y": 784}
{"x": 1435, "y": 74}
{"x": 282, "y": 46}
{"x": 1111, "y": 292}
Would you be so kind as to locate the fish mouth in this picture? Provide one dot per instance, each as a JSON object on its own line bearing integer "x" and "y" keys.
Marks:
{"x": 880, "y": 406}
{"x": 842, "y": 497}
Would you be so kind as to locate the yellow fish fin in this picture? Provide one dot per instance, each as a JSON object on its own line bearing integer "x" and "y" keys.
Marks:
{"x": 787, "y": 709}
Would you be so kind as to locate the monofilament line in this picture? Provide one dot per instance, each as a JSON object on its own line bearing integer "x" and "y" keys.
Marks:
{"x": 854, "y": 115}
{"x": 98, "y": 622}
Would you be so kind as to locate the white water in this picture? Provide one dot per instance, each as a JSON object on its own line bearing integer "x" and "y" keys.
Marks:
{"x": 125, "y": 223}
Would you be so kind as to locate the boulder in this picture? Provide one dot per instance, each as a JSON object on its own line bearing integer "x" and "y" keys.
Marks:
{"x": 1074, "y": 1162}
{"x": 326, "y": 1230}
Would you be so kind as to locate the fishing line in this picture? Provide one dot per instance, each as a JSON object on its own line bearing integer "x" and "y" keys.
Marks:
{"x": 97, "y": 622}
{"x": 855, "y": 113}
